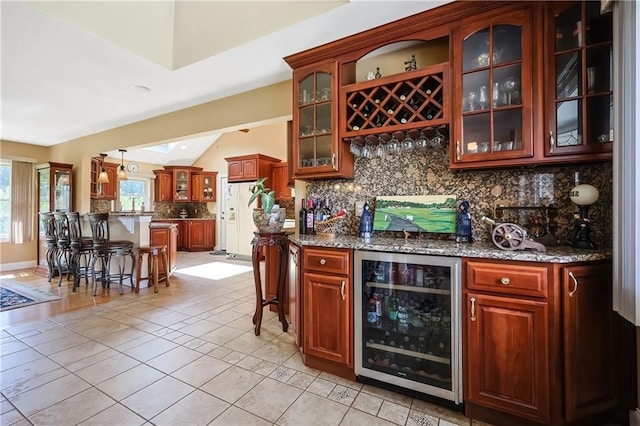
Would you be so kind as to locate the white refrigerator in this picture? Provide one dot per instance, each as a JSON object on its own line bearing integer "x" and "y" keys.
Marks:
{"x": 239, "y": 217}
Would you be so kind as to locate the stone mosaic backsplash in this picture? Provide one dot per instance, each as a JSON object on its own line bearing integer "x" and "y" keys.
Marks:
{"x": 165, "y": 210}
{"x": 429, "y": 174}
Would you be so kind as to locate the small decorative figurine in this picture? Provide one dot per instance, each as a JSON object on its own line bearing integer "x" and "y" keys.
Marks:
{"x": 378, "y": 75}
{"x": 463, "y": 224}
{"x": 370, "y": 75}
{"x": 411, "y": 64}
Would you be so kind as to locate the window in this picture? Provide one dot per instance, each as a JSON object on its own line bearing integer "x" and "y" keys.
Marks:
{"x": 5, "y": 200}
{"x": 134, "y": 192}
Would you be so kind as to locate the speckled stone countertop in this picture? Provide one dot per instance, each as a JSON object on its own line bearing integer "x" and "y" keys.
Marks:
{"x": 559, "y": 254}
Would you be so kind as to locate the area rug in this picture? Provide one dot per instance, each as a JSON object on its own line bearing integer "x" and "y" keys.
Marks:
{"x": 218, "y": 252}
{"x": 16, "y": 295}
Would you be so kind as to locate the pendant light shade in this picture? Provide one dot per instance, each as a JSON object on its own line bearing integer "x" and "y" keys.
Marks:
{"x": 122, "y": 173}
{"x": 103, "y": 177}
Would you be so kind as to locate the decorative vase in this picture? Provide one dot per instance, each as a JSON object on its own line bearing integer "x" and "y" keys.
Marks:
{"x": 269, "y": 222}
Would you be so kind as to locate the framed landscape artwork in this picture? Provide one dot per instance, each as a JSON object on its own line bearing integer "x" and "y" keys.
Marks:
{"x": 416, "y": 213}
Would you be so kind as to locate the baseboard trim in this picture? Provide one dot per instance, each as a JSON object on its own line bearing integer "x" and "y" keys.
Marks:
{"x": 634, "y": 417}
{"x": 4, "y": 267}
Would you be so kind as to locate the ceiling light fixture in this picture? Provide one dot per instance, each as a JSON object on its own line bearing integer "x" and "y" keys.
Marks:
{"x": 141, "y": 88}
{"x": 122, "y": 173}
{"x": 103, "y": 177}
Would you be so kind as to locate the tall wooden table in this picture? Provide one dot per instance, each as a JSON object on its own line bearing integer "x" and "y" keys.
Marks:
{"x": 260, "y": 240}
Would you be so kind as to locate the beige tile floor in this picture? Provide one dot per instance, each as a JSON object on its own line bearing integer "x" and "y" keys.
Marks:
{"x": 184, "y": 356}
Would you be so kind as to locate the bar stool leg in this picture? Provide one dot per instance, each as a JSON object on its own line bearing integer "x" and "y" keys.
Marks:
{"x": 165, "y": 259}
{"x": 139, "y": 271}
{"x": 155, "y": 270}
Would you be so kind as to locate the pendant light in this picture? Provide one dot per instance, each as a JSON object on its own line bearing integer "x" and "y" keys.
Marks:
{"x": 103, "y": 177}
{"x": 122, "y": 173}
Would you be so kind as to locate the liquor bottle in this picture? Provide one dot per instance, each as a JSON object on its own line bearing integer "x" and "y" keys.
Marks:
{"x": 311, "y": 224}
{"x": 319, "y": 213}
{"x": 303, "y": 217}
{"x": 378, "y": 75}
{"x": 326, "y": 212}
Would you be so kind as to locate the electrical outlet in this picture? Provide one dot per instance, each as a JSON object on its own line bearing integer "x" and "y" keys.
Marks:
{"x": 359, "y": 208}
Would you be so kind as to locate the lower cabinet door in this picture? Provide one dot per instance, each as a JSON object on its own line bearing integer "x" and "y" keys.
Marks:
{"x": 588, "y": 335}
{"x": 327, "y": 317}
{"x": 507, "y": 351}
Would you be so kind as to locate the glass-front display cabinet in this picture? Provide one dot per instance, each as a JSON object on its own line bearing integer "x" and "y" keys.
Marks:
{"x": 315, "y": 141}
{"x": 580, "y": 91}
{"x": 181, "y": 185}
{"x": 55, "y": 194}
{"x": 406, "y": 322}
{"x": 493, "y": 113}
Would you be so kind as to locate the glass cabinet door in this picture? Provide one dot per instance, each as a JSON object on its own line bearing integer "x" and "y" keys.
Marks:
{"x": 181, "y": 185}
{"x": 208, "y": 188}
{"x": 581, "y": 107}
{"x": 494, "y": 120}
{"x": 62, "y": 196}
{"x": 315, "y": 121}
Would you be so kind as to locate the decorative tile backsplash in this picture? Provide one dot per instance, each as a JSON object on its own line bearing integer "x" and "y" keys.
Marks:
{"x": 428, "y": 174}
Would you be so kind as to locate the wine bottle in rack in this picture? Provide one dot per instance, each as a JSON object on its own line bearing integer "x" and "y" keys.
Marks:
{"x": 404, "y": 116}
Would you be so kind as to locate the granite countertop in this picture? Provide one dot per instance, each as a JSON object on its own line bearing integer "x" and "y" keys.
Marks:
{"x": 558, "y": 254}
{"x": 162, "y": 225}
{"x": 158, "y": 219}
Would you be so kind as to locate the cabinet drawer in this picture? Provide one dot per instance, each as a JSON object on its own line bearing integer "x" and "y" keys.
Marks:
{"x": 512, "y": 278}
{"x": 327, "y": 261}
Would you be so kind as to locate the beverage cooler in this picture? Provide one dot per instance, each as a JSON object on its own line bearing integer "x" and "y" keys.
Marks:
{"x": 407, "y": 322}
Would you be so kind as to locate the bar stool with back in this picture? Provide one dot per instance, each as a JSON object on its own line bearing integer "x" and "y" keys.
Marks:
{"x": 104, "y": 249}
{"x": 63, "y": 245}
{"x": 81, "y": 250}
{"x": 50, "y": 240}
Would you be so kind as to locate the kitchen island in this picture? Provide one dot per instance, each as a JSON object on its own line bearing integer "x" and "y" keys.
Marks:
{"x": 510, "y": 337}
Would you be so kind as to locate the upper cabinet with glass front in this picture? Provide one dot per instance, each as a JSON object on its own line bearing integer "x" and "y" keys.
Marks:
{"x": 579, "y": 75}
{"x": 493, "y": 96}
{"x": 317, "y": 151}
{"x": 54, "y": 187}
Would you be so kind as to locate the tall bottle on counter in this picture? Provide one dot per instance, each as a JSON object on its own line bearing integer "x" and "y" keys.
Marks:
{"x": 366, "y": 222}
{"x": 302, "y": 224}
{"x": 311, "y": 224}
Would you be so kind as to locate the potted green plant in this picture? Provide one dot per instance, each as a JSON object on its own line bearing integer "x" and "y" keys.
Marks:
{"x": 267, "y": 196}
{"x": 269, "y": 217}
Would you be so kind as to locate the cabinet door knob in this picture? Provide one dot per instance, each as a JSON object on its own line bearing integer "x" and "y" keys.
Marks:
{"x": 323, "y": 261}
{"x": 575, "y": 285}
{"x": 552, "y": 142}
{"x": 342, "y": 290}
{"x": 458, "y": 150}
{"x": 505, "y": 280}
{"x": 333, "y": 161}
{"x": 473, "y": 309}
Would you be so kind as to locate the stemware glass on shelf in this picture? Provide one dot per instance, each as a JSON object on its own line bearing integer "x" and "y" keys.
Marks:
{"x": 407, "y": 143}
{"x": 421, "y": 143}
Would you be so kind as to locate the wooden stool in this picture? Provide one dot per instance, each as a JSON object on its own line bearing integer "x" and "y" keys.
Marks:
{"x": 153, "y": 275}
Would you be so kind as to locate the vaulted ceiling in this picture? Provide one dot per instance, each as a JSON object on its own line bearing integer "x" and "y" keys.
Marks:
{"x": 74, "y": 68}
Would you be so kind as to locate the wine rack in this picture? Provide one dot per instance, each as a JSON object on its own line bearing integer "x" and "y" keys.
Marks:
{"x": 399, "y": 102}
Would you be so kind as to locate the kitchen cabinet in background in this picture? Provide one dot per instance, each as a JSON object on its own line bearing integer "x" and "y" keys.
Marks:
{"x": 203, "y": 186}
{"x": 194, "y": 234}
{"x": 165, "y": 234}
{"x": 247, "y": 168}
{"x": 279, "y": 178}
{"x": 103, "y": 191}
{"x": 163, "y": 185}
